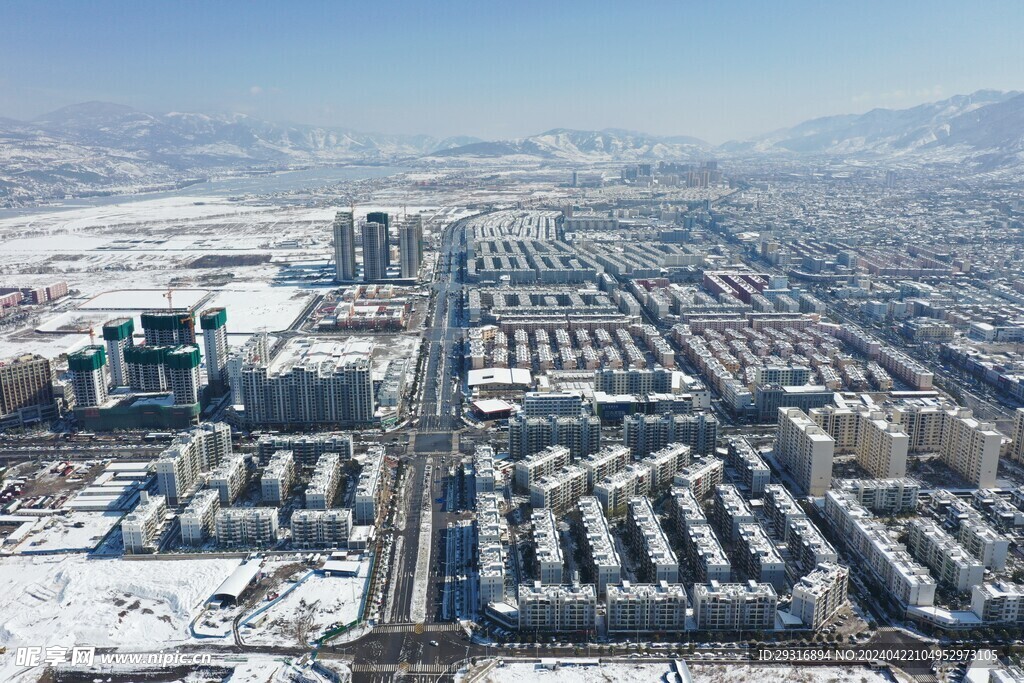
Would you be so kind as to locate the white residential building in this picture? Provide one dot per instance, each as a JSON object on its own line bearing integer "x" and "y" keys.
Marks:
{"x": 277, "y": 479}
{"x": 246, "y": 527}
{"x": 805, "y": 450}
{"x": 734, "y": 606}
{"x": 321, "y": 528}
{"x": 323, "y": 485}
{"x": 562, "y": 609}
{"x": 141, "y": 527}
{"x": 658, "y": 562}
{"x": 547, "y": 550}
{"x": 643, "y": 608}
{"x": 819, "y": 595}
{"x": 197, "y": 520}
{"x": 601, "y": 555}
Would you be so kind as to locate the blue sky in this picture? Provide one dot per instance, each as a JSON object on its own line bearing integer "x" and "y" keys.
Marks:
{"x": 716, "y": 70}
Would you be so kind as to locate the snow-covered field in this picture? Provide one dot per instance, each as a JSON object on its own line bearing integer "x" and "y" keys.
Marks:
{"x": 313, "y": 607}
{"x": 632, "y": 673}
{"x": 142, "y": 299}
{"x": 70, "y": 600}
{"x": 79, "y": 531}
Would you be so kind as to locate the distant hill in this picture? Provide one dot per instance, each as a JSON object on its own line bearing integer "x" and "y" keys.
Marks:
{"x": 99, "y": 145}
{"x": 104, "y": 147}
{"x": 586, "y": 146}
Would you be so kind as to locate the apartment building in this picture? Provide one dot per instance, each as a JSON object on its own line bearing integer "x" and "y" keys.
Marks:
{"x": 646, "y": 608}
{"x": 600, "y": 554}
{"x": 306, "y": 449}
{"x": 321, "y": 528}
{"x": 734, "y": 606}
{"x": 548, "y": 560}
{"x": 781, "y": 509}
{"x": 808, "y": 546}
{"x": 999, "y": 602}
{"x": 730, "y": 511}
{"x": 701, "y": 476}
{"x": 906, "y": 581}
{"x": 953, "y": 566}
{"x": 541, "y": 464}
{"x": 323, "y": 484}
{"x": 615, "y": 491}
{"x": 369, "y": 489}
{"x": 197, "y": 520}
{"x": 229, "y": 479}
{"x": 191, "y": 453}
{"x": 560, "y": 490}
{"x": 278, "y": 477}
{"x": 883, "y": 496}
{"x": 581, "y": 434}
{"x": 658, "y": 561}
{"x": 819, "y": 595}
{"x": 246, "y": 527}
{"x": 752, "y": 469}
{"x": 758, "y": 558}
{"x": 645, "y": 434}
{"x": 561, "y": 609}
{"x": 141, "y": 527}
{"x": 805, "y": 450}
{"x": 706, "y": 553}
{"x": 603, "y": 464}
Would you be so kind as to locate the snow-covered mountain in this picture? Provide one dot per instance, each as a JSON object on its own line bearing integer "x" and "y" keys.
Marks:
{"x": 98, "y": 146}
{"x": 102, "y": 147}
{"x": 586, "y": 146}
{"x": 984, "y": 126}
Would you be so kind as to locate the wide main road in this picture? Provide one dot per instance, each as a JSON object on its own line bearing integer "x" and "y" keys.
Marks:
{"x": 439, "y": 403}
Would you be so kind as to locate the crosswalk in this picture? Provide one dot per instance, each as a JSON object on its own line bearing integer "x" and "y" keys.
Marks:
{"x": 417, "y": 628}
{"x": 402, "y": 667}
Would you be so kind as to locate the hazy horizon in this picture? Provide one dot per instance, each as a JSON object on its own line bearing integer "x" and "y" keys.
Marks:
{"x": 496, "y": 72}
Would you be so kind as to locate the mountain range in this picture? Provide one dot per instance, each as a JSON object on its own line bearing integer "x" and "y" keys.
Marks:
{"x": 103, "y": 147}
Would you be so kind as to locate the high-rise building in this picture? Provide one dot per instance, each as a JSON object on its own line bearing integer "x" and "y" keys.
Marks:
{"x": 382, "y": 218}
{"x": 410, "y": 246}
{"x": 169, "y": 328}
{"x": 183, "y": 373}
{"x": 26, "y": 391}
{"x": 255, "y": 349}
{"x": 309, "y": 384}
{"x": 192, "y": 452}
{"x": 529, "y": 435}
{"x": 805, "y": 450}
{"x": 88, "y": 369}
{"x": 344, "y": 247}
{"x": 117, "y": 334}
{"x": 213, "y": 322}
{"x": 375, "y": 252}
{"x": 645, "y": 434}
{"x": 1017, "y": 448}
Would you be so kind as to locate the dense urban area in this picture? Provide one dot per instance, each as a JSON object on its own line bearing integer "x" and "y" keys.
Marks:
{"x": 490, "y": 420}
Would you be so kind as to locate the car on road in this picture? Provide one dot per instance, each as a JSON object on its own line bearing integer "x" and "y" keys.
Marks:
{"x": 434, "y": 643}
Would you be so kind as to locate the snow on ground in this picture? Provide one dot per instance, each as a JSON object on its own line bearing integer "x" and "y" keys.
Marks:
{"x": 143, "y": 299}
{"x": 79, "y": 531}
{"x": 71, "y": 600}
{"x": 313, "y": 607}
{"x": 630, "y": 673}
{"x": 260, "y": 306}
